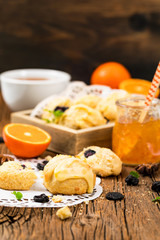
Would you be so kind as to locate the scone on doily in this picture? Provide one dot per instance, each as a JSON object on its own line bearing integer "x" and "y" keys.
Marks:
{"x": 68, "y": 175}
{"x": 14, "y": 176}
{"x": 107, "y": 105}
{"x": 103, "y": 161}
{"x": 81, "y": 116}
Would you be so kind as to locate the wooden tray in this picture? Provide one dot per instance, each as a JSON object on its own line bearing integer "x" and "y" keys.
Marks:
{"x": 66, "y": 140}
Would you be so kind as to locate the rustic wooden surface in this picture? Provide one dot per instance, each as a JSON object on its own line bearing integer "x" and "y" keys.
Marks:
{"x": 77, "y": 36}
{"x": 135, "y": 217}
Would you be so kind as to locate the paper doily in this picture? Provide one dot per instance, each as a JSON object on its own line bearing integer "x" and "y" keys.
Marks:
{"x": 7, "y": 199}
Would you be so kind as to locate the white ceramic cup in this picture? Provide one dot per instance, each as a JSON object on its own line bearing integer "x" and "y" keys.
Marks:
{"x": 24, "y": 88}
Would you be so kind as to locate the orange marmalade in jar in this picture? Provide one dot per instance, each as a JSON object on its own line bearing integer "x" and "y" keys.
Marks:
{"x": 133, "y": 141}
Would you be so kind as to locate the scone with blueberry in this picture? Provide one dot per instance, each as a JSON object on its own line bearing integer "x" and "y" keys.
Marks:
{"x": 103, "y": 161}
{"x": 14, "y": 176}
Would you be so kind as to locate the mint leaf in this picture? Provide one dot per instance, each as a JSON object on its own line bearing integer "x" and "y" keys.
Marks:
{"x": 18, "y": 195}
{"x": 58, "y": 113}
{"x": 134, "y": 174}
{"x": 14, "y": 192}
{"x": 157, "y": 199}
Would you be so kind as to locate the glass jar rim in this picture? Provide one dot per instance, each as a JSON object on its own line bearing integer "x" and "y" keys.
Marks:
{"x": 124, "y": 102}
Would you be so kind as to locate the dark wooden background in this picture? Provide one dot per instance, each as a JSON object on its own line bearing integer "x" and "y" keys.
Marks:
{"x": 77, "y": 36}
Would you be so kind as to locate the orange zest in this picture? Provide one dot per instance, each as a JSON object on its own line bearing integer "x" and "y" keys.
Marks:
{"x": 137, "y": 86}
{"x": 25, "y": 140}
{"x": 110, "y": 74}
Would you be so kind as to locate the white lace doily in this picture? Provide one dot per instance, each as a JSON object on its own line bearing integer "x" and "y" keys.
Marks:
{"x": 9, "y": 200}
{"x": 74, "y": 90}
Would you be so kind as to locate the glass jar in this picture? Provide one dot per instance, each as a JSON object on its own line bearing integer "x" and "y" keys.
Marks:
{"x": 133, "y": 140}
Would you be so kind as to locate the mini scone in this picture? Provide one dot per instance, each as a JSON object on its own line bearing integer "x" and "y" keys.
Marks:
{"x": 81, "y": 116}
{"x": 51, "y": 106}
{"x": 14, "y": 176}
{"x": 108, "y": 107}
{"x": 89, "y": 100}
{"x": 103, "y": 161}
{"x": 68, "y": 175}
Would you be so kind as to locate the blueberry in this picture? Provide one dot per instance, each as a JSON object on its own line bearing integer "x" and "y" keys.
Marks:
{"x": 156, "y": 186}
{"x": 131, "y": 180}
{"x": 24, "y": 166}
{"x": 114, "y": 196}
{"x": 45, "y": 162}
{"x": 61, "y": 108}
{"x": 89, "y": 153}
{"x": 41, "y": 198}
{"x": 40, "y": 166}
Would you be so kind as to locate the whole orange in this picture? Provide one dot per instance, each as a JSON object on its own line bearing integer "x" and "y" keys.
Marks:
{"x": 110, "y": 74}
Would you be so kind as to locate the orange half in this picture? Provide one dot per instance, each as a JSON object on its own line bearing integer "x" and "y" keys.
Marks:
{"x": 137, "y": 86}
{"x": 25, "y": 140}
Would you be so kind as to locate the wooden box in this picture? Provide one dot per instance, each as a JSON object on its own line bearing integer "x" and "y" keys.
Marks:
{"x": 66, "y": 140}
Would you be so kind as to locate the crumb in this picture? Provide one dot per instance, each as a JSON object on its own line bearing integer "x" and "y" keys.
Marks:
{"x": 48, "y": 158}
{"x": 102, "y": 197}
{"x": 57, "y": 199}
{"x": 64, "y": 213}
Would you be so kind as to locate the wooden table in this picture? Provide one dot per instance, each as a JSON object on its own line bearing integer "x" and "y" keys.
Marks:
{"x": 136, "y": 217}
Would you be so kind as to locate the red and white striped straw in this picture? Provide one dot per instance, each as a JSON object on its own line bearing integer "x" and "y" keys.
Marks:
{"x": 154, "y": 86}
{"x": 152, "y": 91}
